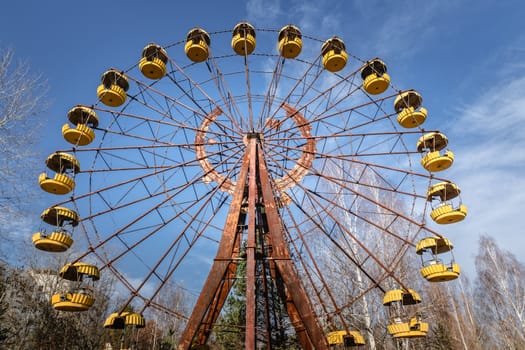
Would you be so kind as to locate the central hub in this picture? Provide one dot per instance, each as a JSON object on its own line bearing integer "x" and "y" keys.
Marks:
{"x": 252, "y": 135}
{"x": 290, "y": 155}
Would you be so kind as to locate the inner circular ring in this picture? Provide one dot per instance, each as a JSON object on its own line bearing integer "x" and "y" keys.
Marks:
{"x": 288, "y": 180}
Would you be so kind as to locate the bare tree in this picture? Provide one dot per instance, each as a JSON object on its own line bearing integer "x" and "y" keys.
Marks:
{"x": 22, "y": 98}
{"x": 500, "y": 296}
{"x": 448, "y": 315}
{"x": 33, "y": 323}
{"x": 175, "y": 297}
{"x": 354, "y": 213}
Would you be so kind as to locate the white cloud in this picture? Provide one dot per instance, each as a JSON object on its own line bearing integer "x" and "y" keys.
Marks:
{"x": 400, "y": 29}
{"x": 312, "y": 17}
{"x": 263, "y": 10}
{"x": 489, "y": 167}
{"x": 315, "y": 20}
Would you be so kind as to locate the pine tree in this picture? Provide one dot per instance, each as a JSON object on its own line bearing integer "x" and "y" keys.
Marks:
{"x": 230, "y": 332}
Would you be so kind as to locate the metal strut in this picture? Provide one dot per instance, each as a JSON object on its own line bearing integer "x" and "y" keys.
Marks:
{"x": 254, "y": 189}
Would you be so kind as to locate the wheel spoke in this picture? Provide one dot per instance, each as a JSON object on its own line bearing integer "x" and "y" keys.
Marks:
{"x": 296, "y": 170}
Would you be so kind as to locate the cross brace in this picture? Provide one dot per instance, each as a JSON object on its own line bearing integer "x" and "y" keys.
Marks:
{"x": 253, "y": 188}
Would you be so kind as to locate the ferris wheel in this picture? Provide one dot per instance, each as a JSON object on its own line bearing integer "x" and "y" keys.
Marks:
{"x": 266, "y": 149}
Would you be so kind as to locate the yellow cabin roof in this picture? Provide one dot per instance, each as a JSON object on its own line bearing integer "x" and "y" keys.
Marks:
{"x": 119, "y": 321}
{"x": 115, "y": 321}
{"x": 438, "y": 245}
{"x": 409, "y": 297}
{"x": 74, "y": 272}
{"x": 289, "y": 31}
{"x": 443, "y": 190}
{"x": 409, "y": 98}
{"x": 114, "y": 77}
{"x": 57, "y": 216}
{"x": 338, "y": 337}
{"x": 83, "y": 115}
{"x": 60, "y": 161}
{"x": 153, "y": 50}
{"x": 243, "y": 28}
{"x": 434, "y": 141}
{"x": 373, "y": 66}
{"x": 333, "y": 43}
{"x": 198, "y": 34}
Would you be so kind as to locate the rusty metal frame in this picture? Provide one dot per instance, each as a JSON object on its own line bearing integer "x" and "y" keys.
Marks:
{"x": 255, "y": 189}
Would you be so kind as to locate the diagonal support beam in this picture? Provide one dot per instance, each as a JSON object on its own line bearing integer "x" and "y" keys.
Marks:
{"x": 253, "y": 186}
{"x": 221, "y": 295}
{"x": 284, "y": 264}
{"x": 220, "y": 265}
{"x": 287, "y": 301}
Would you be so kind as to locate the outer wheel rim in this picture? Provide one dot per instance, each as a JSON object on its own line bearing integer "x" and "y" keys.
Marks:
{"x": 159, "y": 160}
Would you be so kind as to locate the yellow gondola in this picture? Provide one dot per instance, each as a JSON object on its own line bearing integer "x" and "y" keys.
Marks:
{"x": 334, "y": 54}
{"x": 434, "y": 269}
{"x": 350, "y": 338}
{"x": 153, "y": 61}
{"x": 77, "y": 301}
{"x": 401, "y": 305}
{"x": 243, "y": 39}
{"x": 84, "y": 118}
{"x": 408, "y": 106}
{"x": 431, "y": 145}
{"x": 57, "y": 241}
{"x": 112, "y": 91}
{"x": 64, "y": 165}
{"x": 79, "y": 298}
{"x": 375, "y": 78}
{"x": 59, "y": 184}
{"x": 290, "y": 41}
{"x": 414, "y": 328}
{"x": 446, "y": 212}
{"x": 127, "y": 323}
{"x": 197, "y": 46}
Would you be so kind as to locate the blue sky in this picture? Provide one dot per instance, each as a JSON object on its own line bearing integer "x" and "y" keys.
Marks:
{"x": 466, "y": 57}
